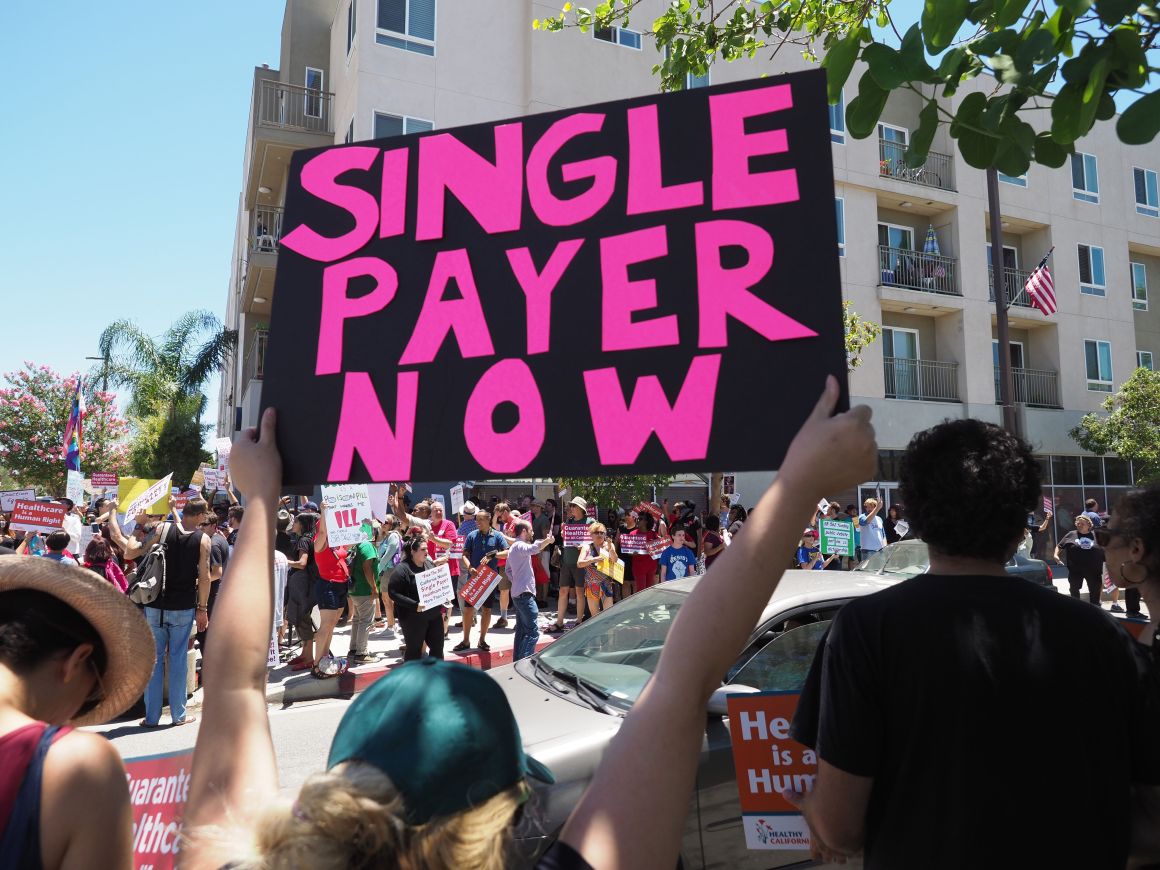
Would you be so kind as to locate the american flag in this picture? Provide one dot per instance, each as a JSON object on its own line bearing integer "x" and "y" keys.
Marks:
{"x": 1040, "y": 288}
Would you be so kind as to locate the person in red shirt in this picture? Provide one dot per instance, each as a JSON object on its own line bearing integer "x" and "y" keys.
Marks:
{"x": 330, "y": 591}
{"x": 644, "y": 566}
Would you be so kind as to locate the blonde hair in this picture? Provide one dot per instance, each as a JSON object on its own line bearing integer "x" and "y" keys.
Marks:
{"x": 353, "y": 817}
{"x": 597, "y": 527}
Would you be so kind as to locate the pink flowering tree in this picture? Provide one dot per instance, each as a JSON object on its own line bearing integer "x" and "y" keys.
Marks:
{"x": 34, "y": 409}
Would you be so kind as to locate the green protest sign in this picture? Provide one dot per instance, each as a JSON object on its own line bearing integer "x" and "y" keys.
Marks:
{"x": 837, "y": 536}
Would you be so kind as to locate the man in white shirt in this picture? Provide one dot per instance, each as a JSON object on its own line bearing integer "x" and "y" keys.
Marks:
{"x": 873, "y": 536}
{"x": 72, "y": 524}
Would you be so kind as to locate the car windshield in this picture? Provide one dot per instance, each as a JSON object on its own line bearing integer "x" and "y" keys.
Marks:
{"x": 904, "y": 558}
{"x": 618, "y": 650}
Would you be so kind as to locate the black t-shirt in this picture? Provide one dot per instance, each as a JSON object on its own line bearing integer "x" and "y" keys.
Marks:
{"x": 219, "y": 553}
{"x": 965, "y": 698}
{"x": 1081, "y": 552}
{"x": 182, "y": 553}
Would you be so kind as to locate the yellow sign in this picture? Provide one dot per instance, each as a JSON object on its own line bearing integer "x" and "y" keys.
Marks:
{"x": 129, "y": 488}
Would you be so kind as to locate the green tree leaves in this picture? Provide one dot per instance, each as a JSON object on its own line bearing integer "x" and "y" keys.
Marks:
{"x": 1130, "y": 426}
{"x": 1140, "y": 122}
{"x": 865, "y": 109}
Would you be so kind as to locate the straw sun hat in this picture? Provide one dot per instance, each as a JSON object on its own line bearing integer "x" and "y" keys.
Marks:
{"x": 128, "y": 641}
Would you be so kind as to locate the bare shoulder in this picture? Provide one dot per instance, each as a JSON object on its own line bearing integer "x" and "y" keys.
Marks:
{"x": 81, "y": 757}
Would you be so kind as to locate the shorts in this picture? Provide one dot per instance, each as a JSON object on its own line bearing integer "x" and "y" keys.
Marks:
{"x": 330, "y": 595}
{"x": 505, "y": 582}
{"x": 571, "y": 576}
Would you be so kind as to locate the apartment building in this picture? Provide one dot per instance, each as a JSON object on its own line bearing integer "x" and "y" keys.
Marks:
{"x": 914, "y": 243}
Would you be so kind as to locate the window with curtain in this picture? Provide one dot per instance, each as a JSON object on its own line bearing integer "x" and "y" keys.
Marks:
{"x": 1085, "y": 184}
{"x": 407, "y": 24}
{"x": 1091, "y": 271}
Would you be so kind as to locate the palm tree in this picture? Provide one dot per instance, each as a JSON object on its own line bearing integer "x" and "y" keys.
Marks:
{"x": 166, "y": 376}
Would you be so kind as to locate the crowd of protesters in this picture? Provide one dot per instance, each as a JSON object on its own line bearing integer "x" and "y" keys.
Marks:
{"x": 75, "y": 649}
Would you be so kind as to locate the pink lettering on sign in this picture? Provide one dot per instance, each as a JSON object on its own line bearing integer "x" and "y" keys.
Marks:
{"x": 463, "y": 316}
{"x": 393, "y": 201}
{"x": 538, "y": 287}
{"x": 363, "y": 428}
{"x": 724, "y": 293}
{"x": 646, "y": 190}
{"x": 734, "y": 186}
{"x": 491, "y": 192}
{"x": 338, "y": 306}
{"x": 509, "y": 380}
{"x": 551, "y": 209}
{"x": 621, "y": 297}
{"x": 320, "y": 178}
{"x": 682, "y": 427}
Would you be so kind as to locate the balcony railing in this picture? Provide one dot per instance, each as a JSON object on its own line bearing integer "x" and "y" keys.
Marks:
{"x": 256, "y": 356}
{"x": 915, "y": 270}
{"x": 936, "y": 171}
{"x": 1035, "y": 388}
{"x": 921, "y": 379}
{"x": 293, "y": 107}
{"x": 265, "y": 229}
{"x": 1016, "y": 283}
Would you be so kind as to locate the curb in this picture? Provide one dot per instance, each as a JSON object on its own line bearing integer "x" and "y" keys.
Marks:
{"x": 308, "y": 688}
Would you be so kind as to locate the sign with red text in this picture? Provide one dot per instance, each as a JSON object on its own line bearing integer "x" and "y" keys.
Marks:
{"x": 481, "y": 585}
{"x": 36, "y": 516}
{"x": 456, "y": 551}
{"x": 647, "y": 507}
{"x": 580, "y": 292}
{"x": 104, "y": 479}
{"x": 158, "y": 790}
{"x": 658, "y": 545}
{"x": 348, "y": 506}
{"x": 767, "y": 763}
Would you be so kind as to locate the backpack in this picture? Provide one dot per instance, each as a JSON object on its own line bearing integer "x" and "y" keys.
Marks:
{"x": 147, "y": 579}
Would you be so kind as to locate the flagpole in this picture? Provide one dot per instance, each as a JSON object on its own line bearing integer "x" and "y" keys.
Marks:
{"x": 1006, "y": 382}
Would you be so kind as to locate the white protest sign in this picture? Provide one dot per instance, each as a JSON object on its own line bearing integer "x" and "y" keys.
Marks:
{"x": 213, "y": 479}
{"x": 823, "y": 506}
{"x": 74, "y": 489}
{"x": 9, "y": 497}
{"x": 435, "y": 586}
{"x": 457, "y": 498}
{"x": 155, "y": 493}
{"x": 86, "y": 539}
{"x": 223, "y": 452}
{"x": 349, "y": 504}
{"x": 380, "y": 494}
{"x": 437, "y": 497}
{"x": 901, "y": 528}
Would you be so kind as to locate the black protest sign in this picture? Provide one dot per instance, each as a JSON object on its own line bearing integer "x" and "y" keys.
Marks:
{"x": 618, "y": 288}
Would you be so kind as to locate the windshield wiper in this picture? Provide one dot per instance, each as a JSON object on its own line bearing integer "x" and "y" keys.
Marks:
{"x": 592, "y": 694}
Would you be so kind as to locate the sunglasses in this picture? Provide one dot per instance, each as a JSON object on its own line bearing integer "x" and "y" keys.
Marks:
{"x": 95, "y": 696}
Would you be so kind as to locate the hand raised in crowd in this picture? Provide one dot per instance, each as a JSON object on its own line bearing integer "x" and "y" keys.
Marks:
{"x": 256, "y": 463}
{"x": 833, "y": 452}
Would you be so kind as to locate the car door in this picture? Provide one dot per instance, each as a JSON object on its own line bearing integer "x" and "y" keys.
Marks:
{"x": 780, "y": 662}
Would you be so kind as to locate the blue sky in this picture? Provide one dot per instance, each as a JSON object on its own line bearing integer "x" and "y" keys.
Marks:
{"x": 120, "y": 165}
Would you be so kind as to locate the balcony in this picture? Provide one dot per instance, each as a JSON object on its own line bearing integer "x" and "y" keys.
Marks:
{"x": 936, "y": 171}
{"x": 1035, "y": 388}
{"x": 266, "y": 229}
{"x": 921, "y": 379}
{"x": 1012, "y": 278}
{"x": 929, "y": 273}
{"x": 256, "y": 356}
{"x": 293, "y": 107}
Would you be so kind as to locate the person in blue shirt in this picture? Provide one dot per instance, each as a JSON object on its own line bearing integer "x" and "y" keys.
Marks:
{"x": 484, "y": 546}
{"x": 809, "y": 556}
{"x": 677, "y": 560}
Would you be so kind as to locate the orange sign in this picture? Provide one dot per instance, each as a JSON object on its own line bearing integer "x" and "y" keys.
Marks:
{"x": 768, "y": 762}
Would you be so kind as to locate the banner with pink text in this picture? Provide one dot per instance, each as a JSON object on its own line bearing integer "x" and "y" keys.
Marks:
{"x": 611, "y": 289}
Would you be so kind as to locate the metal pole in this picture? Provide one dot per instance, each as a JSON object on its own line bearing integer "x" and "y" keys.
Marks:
{"x": 1006, "y": 384}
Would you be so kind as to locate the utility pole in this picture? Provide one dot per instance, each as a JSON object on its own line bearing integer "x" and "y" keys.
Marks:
{"x": 1006, "y": 383}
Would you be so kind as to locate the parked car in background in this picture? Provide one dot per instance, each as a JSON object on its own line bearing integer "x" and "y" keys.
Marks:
{"x": 570, "y": 699}
{"x": 904, "y": 559}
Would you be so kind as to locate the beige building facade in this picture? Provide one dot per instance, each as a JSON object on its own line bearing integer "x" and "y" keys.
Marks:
{"x": 360, "y": 69}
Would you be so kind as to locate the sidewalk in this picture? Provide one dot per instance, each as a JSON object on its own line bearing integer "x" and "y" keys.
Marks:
{"x": 284, "y": 686}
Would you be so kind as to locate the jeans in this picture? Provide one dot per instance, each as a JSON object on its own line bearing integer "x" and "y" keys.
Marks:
{"x": 171, "y": 630}
{"x": 364, "y": 615}
{"x": 527, "y": 630}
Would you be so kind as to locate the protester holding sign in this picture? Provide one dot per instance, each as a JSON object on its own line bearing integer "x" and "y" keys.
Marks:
{"x": 73, "y": 651}
{"x": 483, "y": 547}
{"x": 420, "y": 625}
{"x": 574, "y": 534}
{"x": 598, "y": 586}
{"x": 330, "y": 591}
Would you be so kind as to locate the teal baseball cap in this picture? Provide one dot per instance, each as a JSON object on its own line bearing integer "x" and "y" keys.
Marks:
{"x": 443, "y": 733}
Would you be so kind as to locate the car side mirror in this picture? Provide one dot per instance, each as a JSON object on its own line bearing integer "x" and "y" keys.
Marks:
{"x": 719, "y": 700}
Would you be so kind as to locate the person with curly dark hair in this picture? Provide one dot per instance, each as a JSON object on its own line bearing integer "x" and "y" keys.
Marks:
{"x": 1131, "y": 542}
{"x": 919, "y": 688}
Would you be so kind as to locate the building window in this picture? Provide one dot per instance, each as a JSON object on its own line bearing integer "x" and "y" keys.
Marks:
{"x": 349, "y": 137}
{"x": 838, "y": 120}
{"x": 1085, "y": 182}
{"x": 1017, "y": 180}
{"x": 1091, "y": 271}
{"x": 351, "y": 25}
{"x": 313, "y": 82}
{"x": 407, "y": 24}
{"x": 1144, "y": 360}
{"x": 1139, "y": 287}
{"x": 619, "y": 36}
{"x": 1098, "y": 356}
{"x": 1146, "y": 199}
{"x": 692, "y": 80}
{"x": 840, "y": 205}
{"x": 398, "y": 125}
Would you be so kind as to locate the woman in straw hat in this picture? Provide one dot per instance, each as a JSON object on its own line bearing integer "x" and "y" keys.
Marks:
{"x": 73, "y": 651}
{"x": 427, "y": 769}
